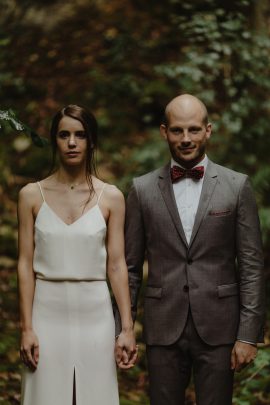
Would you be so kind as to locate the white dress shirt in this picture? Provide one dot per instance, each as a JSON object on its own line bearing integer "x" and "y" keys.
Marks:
{"x": 187, "y": 192}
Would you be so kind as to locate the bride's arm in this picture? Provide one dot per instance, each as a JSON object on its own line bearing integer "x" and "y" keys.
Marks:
{"x": 26, "y": 279}
{"x": 126, "y": 351}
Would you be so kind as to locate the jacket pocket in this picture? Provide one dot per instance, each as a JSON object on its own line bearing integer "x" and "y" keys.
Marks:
{"x": 226, "y": 290}
{"x": 223, "y": 213}
{"x": 153, "y": 292}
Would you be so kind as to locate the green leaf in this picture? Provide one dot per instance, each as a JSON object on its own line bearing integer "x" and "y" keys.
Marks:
{"x": 36, "y": 139}
{"x": 10, "y": 117}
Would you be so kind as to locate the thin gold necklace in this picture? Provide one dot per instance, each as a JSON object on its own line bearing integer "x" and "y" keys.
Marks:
{"x": 71, "y": 186}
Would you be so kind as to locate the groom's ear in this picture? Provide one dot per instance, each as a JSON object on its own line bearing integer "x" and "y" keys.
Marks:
{"x": 208, "y": 130}
{"x": 163, "y": 131}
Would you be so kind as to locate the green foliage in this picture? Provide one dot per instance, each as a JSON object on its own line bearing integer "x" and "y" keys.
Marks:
{"x": 127, "y": 65}
{"x": 265, "y": 223}
{"x": 252, "y": 385}
{"x": 10, "y": 118}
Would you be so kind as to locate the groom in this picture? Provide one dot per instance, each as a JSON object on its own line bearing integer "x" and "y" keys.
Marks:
{"x": 203, "y": 305}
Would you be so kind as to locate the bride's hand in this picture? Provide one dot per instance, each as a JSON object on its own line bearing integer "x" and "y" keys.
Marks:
{"x": 126, "y": 350}
{"x": 29, "y": 350}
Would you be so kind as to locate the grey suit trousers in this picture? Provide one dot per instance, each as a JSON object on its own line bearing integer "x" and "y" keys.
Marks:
{"x": 170, "y": 368}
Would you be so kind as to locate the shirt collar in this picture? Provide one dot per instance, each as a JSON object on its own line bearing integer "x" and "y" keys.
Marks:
{"x": 203, "y": 163}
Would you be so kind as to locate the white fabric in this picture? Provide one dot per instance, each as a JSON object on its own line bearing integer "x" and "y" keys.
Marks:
{"x": 73, "y": 319}
{"x": 70, "y": 252}
{"x": 187, "y": 194}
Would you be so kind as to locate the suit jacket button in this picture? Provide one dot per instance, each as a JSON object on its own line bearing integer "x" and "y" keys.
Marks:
{"x": 190, "y": 261}
{"x": 186, "y": 288}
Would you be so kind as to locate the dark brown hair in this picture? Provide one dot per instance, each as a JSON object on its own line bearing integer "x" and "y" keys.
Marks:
{"x": 90, "y": 126}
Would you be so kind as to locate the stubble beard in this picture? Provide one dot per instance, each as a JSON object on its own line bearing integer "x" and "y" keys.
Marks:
{"x": 189, "y": 163}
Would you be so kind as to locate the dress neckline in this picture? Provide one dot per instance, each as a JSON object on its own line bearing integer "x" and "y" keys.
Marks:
{"x": 76, "y": 220}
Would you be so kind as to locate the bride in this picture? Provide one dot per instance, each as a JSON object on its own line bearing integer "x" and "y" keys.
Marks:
{"x": 70, "y": 240}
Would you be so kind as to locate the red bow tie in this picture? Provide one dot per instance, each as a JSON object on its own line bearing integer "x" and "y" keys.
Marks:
{"x": 178, "y": 173}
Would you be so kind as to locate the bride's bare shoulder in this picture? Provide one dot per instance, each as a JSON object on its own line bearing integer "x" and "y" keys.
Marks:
{"x": 29, "y": 194}
{"x": 113, "y": 194}
{"x": 110, "y": 192}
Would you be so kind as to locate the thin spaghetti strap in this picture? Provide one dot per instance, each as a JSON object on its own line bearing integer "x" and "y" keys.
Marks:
{"x": 100, "y": 194}
{"x": 41, "y": 192}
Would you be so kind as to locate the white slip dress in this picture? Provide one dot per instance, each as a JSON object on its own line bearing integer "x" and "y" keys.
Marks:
{"x": 72, "y": 313}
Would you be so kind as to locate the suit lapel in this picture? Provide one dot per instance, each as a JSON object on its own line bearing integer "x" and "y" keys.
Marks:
{"x": 166, "y": 189}
{"x": 209, "y": 184}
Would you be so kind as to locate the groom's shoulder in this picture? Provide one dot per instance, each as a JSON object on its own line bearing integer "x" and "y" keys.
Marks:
{"x": 229, "y": 175}
{"x": 228, "y": 172}
{"x": 149, "y": 178}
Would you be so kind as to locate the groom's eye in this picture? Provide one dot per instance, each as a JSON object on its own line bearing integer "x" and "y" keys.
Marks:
{"x": 175, "y": 130}
{"x": 194, "y": 130}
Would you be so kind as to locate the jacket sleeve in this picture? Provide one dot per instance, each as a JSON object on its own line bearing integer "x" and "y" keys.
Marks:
{"x": 251, "y": 266}
{"x": 134, "y": 251}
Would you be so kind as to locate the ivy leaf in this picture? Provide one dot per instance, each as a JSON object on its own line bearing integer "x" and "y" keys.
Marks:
{"x": 10, "y": 117}
{"x": 36, "y": 139}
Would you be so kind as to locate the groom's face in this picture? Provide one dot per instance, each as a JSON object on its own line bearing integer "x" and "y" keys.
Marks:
{"x": 186, "y": 133}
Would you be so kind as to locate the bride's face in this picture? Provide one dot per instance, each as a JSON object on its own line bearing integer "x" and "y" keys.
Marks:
{"x": 71, "y": 141}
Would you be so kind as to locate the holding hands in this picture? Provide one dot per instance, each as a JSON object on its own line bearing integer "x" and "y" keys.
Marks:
{"x": 126, "y": 350}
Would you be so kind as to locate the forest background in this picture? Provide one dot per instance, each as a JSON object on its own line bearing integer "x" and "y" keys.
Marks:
{"x": 125, "y": 59}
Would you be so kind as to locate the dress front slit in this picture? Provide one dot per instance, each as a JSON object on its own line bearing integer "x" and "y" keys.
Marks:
{"x": 74, "y": 389}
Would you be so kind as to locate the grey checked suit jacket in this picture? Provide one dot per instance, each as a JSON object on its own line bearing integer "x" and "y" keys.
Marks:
{"x": 219, "y": 274}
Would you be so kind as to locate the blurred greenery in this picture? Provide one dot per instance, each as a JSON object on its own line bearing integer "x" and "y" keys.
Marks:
{"x": 125, "y": 60}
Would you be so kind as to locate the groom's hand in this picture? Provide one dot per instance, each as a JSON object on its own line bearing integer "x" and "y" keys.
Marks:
{"x": 242, "y": 355}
